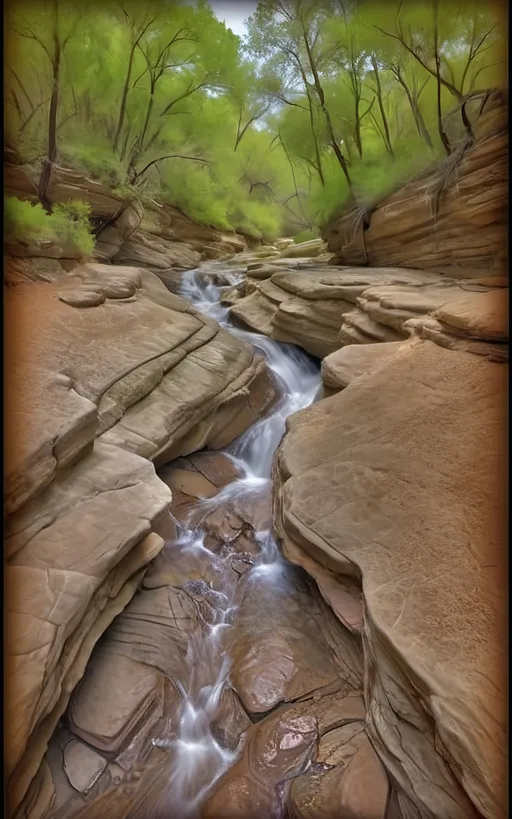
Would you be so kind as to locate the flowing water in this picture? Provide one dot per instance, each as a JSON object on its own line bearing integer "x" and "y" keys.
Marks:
{"x": 198, "y": 760}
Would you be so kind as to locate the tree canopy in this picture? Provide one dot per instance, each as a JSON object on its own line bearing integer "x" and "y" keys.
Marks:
{"x": 324, "y": 101}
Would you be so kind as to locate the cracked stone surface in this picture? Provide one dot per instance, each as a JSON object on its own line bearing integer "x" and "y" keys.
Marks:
{"x": 398, "y": 483}
{"x": 323, "y": 308}
{"x": 95, "y": 396}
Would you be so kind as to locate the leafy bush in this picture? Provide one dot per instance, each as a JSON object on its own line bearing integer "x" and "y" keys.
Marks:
{"x": 95, "y": 160}
{"x": 68, "y": 224}
{"x": 305, "y": 236}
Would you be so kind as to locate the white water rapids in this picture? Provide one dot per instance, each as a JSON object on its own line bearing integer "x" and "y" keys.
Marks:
{"x": 198, "y": 759}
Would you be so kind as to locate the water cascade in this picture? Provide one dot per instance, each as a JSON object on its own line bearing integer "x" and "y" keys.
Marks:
{"x": 198, "y": 758}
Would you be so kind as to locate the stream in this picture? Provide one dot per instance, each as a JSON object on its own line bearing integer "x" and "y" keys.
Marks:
{"x": 198, "y": 759}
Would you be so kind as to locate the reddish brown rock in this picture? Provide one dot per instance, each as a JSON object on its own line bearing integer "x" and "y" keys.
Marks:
{"x": 284, "y": 644}
{"x": 451, "y": 219}
{"x": 90, "y": 392}
{"x": 278, "y": 749}
{"x": 398, "y": 481}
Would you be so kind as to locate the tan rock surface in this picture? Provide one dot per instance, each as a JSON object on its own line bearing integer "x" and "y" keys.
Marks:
{"x": 304, "y": 250}
{"x": 158, "y": 237}
{"x": 342, "y": 367}
{"x": 348, "y": 779}
{"x": 451, "y": 219}
{"x": 90, "y": 391}
{"x": 321, "y": 308}
{"x": 76, "y": 554}
{"x": 155, "y": 253}
{"x": 399, "y": 481}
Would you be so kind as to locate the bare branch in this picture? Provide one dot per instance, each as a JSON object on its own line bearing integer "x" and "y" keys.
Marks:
{"x": 22, "y": 87}
{"x": 367, "y": 110}
{"x": 400, "y": 38}
{"x": 32, "y": 36}
{"x": 36, "y": 109}
{"x": 187, "y": 93}
{"x": 70, "y": 116}
{"x": 169, "y": 156}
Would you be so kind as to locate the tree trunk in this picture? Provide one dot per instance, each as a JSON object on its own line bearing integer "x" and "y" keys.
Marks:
{"x": 312, "y": 126}
{"x": 321, "y": 96}
{"x": 124, "y": 98}
{"x": 387, "y": 140}
{"x": 357, "y": 131}
{"x": 49, "y": 160}
{"x": 420, "y": 123}
{"x": 442, "y": 134}
{"x": 415, "y": 108}
{"x": 139, "y": 144}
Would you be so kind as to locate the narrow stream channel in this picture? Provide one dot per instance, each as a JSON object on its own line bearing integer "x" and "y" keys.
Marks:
{"x": 198, "y": 759}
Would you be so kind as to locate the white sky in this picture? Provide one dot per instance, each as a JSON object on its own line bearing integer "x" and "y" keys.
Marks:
{"x": 234, "y": 12}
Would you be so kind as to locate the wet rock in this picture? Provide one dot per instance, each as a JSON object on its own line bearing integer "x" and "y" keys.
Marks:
{"x": 346, "y": 779}
{"x": 277, "y": 749}
{"x": 231, "y": 722}
{"x": 83, "y": 766}
{"x": 278, "y": 643}
{"x": 383, "y": 482}
{"x": 86, "y": 513}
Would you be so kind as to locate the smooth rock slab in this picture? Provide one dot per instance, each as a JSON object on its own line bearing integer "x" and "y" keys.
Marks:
{"x": 342, "y": 367}
{"x": 398, "y": 481}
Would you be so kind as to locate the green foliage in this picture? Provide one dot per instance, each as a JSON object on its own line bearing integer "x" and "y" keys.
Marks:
{"x": 67, "y": 225}
{"x": 305, "y": 236}
{"x": 148, "y": 89}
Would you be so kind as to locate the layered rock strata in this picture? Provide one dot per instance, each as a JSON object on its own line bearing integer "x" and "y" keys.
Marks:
{"x": 106, "y": 371}
{"x": 295, "y": 700}
{"x": 322, "y": 308}
{"x": 396, "y": 486}
{"x": 158, "y": 237}
{"x": 451, "y": 219}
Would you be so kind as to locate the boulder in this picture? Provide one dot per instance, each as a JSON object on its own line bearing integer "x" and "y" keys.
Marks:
{"x": 398, "y": 484}
{"x": 269, "y": 775}
{"x": 283, "y": 243}
{"x": 451, "y": 219}
{"x": 284, "y": 645}
{"x": 304, "y": 250}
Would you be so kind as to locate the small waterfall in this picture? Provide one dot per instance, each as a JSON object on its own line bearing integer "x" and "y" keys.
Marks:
{"x": 198, "y": 760}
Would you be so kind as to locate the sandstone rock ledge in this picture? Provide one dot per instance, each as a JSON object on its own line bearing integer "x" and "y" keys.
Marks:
{"x": 106, "y": 372}
{"x": 397, "y": 484}
{"x": 323, "y": 308}
{"x": 451, "y": 219}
